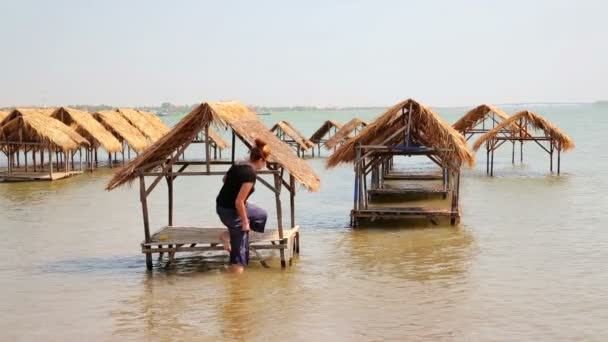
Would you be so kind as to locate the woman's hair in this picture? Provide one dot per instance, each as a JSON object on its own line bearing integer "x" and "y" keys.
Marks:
{"x": 260, "y": 151}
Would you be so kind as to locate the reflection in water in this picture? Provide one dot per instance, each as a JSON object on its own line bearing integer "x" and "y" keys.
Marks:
{"x": 413, "y": 254}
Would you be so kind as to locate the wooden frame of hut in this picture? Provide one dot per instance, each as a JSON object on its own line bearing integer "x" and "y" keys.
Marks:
{"x": 162, "y": 161}
{"x": 32, "y": 130}
{"x": 291, "y": 136}
{"x": 327, "y": 130}
{"x": 481, "y": 120}
{"x": 218, "y": 144}
{"x": 526, "y": 124}
{"x": 350, "y": 129}
{"x": 85, "y": 124}
{"x": 129, "y": 137}
{"x": 406, "y": 129}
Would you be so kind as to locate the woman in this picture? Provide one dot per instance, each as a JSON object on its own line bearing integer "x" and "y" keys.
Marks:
{"x": 233, "y": 209}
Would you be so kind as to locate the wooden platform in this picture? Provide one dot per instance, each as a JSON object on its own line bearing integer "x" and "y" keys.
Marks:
{"x": 413, "y": 176}
{"x": 410, "y": 189}
{"x": 405, "y": 212}
{"x": 36, "y": 176}
{"x": 199, "y": 239}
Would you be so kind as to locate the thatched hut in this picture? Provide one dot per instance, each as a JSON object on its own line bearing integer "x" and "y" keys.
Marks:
{"x": 126, "y": 134}
{"x": 291, "y": 136}
{"x": 30, "y": 130}
{"x": 158, "y": 124}
{"x": 529, "y": 127}
{"x": 406, "y": 129}
{"x": 160, "y": 159}
{"x": 479, "y": 120}
{"x": 350, "y": 129}
{"x": 327, "y": 130}
{"x": 85, "y": 124}
{"x": 142, "y": 123}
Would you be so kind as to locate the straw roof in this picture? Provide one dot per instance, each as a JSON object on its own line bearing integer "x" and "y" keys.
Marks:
{"x": 426, "y": 129}
{"x": 476, "y": 116}
{"x": 85, "y": 124}
{"x": 158, "y": 124}
{"x": 299, "y": 133}
{"x": 345, "y": 132}
{"x": 142, "y": 123}
{"x": 32, "y": 126}
{"x": 317, "y": 136}
{"x": 293, "y": 133}
{"x": 122, "y": 129}
{"x": 526, "y": 120}
{"x": 3, "y": 115}
{"x": 244, "y": 123}
{"x": 217, "y": 139}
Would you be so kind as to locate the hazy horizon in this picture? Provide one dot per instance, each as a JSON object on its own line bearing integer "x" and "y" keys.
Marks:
{"x": 274, "y": 54}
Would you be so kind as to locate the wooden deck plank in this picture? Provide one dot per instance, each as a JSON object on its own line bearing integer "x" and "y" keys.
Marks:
{"x": 407, "y": 190}
{"x": 413, "y": 176}
{"x": 403, "y": 212}
{"x": 186, "y": 235}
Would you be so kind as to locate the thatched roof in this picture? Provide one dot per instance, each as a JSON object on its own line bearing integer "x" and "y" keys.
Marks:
{"x": 244, "y": 123}
{"x": 122, "y": 129}
{"x": 3, "y": 115}
{"x": 345, "y": 132}
{"x": 317, "y": 136}
{"x": 158, "y": 124}
{"x": 476, "y": 115}
{"x": 426, "y": 129}
{"x": 293, "y": 133}
{"x": 142, "y": 123}
{"x": 217, "y": 139}
{"x": 85, "y": 124}
{"x": 527, "y": 121}
{"x": 33, "y": 126}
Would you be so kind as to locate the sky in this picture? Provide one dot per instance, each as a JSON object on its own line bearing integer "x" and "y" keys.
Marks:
{"x": 310, "y": 53}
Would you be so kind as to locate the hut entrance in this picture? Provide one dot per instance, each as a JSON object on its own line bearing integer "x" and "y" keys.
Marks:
{"x": 406, "y": 129}
{"x": 524, "y": 127}
{"x": 166, "y": 161}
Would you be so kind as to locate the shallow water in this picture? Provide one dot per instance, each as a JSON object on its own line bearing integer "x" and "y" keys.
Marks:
{"x": 528, "y": 261}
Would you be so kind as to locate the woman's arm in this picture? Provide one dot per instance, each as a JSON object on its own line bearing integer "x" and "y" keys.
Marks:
{"x": 240, "y": 204}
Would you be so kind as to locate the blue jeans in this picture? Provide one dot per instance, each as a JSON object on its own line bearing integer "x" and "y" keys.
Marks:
{"x": 239, "y": 240}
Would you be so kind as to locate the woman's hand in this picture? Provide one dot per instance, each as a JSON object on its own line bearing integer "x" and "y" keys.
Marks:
{"x": 239, "y": 204}
{"x": 246, "y": 227}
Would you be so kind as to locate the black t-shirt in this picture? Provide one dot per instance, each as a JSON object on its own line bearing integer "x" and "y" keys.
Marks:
{"x": 235, "y": 177}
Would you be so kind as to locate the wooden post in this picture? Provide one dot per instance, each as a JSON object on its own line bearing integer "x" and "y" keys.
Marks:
{"x": 233, "y": 147}
{"x": 513, "y": 153}
{"x": 277, "y": 198}
{"x": 110, "y": 159}
{"x": 51, "y": 162}
{"x": 170, "y": 199}
{"x": 551, "y": 156}
{"x": 144, "y": 208}
{"x": 492, "y": 161}
{"x": 42, "y": 159}
{"x": 25, "y": 158}
{"x": 34, "y": 159}
{"x": 521, "y": 151}
{"x": 292, "y": 202}
{"x": 559, "y": 150}
{"x": 207, "y": 149}
{"x": 455, "y": 195}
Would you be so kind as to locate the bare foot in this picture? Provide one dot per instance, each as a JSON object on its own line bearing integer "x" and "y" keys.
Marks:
{"x": 225, "y": 241}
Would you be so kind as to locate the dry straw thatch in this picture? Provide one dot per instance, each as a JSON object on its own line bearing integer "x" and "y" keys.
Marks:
{"x": 426, "y": 129}
{"x": 477, "y": 115}
{"x": 85, "y": 124}
{"x": 158, "y": 124}
{"x": 345, "y": 132}
{"x": 217, "y": 139}
{"x": 293, "y": 133}
{"x": 235, "y": 115}
{"x": 34, "y": 126}
{"x": 317, "y": 136}
{"x": 122, "y": 129}
{"x": 525, "y": 122}
{"x": 142, "y": 123}
{"x": 3, "y": 115}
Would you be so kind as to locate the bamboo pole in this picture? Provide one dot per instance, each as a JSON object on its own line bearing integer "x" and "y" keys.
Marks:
{"x": 292, "y": 202}
{"x": 170, "y": 199}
